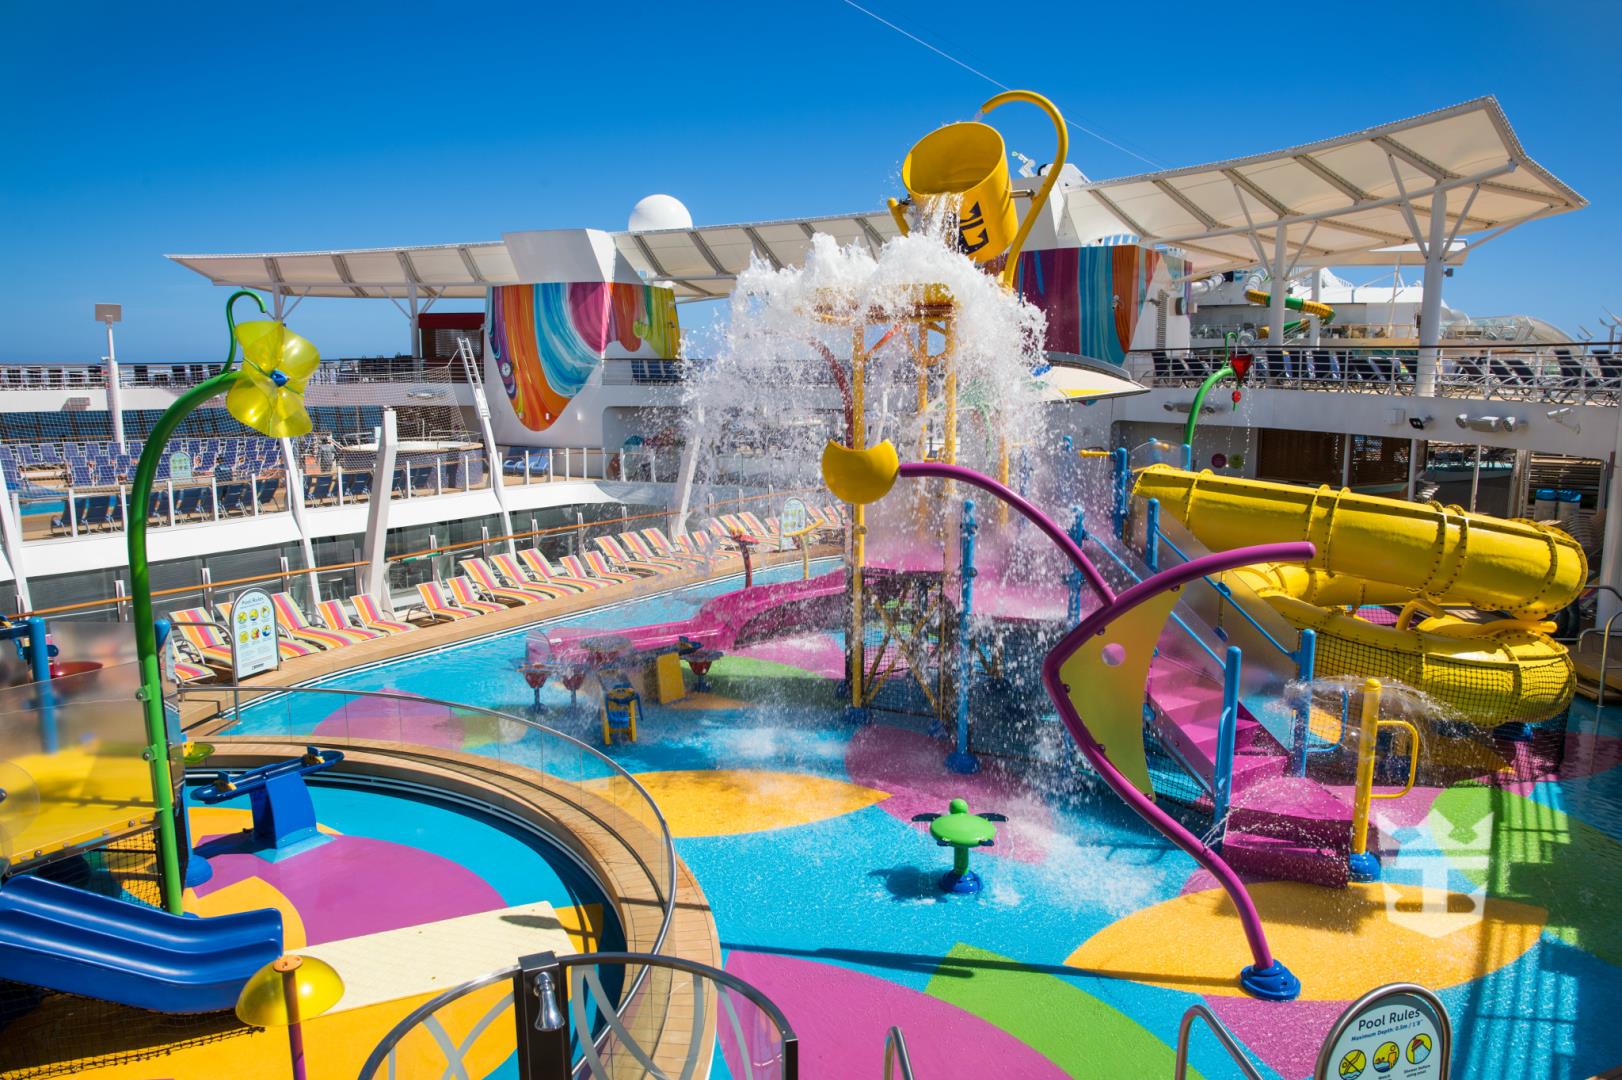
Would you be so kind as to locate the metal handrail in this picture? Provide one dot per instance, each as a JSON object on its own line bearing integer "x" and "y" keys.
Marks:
{"x": 1604, "y": 652}
{"x": 895, "y": 1052}
{"x": 1223, "y": 1035}
{"x": 1176, "y": 618}
{"x": 1227, "y": 594}
{"x": 391, "y": 1039}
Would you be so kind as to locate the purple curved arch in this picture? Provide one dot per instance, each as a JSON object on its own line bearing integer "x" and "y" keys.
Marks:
{"x": 1112, "y": 608}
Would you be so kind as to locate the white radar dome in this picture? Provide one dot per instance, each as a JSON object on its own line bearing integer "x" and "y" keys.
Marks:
{"x": 659, "y": 212}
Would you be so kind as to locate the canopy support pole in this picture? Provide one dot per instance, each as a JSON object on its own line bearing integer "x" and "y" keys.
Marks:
{"x": 1430, "y": 304}
{"x": 1280, "y": 287}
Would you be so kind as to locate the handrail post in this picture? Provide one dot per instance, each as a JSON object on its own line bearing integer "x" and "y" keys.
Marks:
{"x": 1306, "y": 670}
{"x": 1361, "y": 865}
{"x": 1227, "y": 736}
{"x": 1151, "y": 535}
{"x": 1605, "y": 658}
{"x": 1185, "y": 1032}
{"x": 541, "y": 1018}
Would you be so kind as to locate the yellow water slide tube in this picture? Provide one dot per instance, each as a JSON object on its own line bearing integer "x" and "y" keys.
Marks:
{"x": 1323, "y": 312}
{"x": 1423, "y": 556}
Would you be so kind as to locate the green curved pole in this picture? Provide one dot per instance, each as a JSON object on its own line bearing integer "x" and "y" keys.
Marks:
{"x": 1224, "y": 372}
{"x": 146, "y": 638}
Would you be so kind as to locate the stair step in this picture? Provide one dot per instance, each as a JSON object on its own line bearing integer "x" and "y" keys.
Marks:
{"x": 1293, "y": 808}
{"x": 1284, "y": 859}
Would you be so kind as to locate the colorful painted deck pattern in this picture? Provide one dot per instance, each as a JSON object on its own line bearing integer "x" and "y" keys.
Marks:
{"x": 390, "y": 862}
{"x": 1092, "y": 936}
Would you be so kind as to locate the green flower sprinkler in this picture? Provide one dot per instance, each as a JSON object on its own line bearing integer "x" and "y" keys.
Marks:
{"x": 961, "y": 831}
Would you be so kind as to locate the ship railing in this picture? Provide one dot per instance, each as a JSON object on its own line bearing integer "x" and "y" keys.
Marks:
{"x": 1569, "y": 373}
{"x": 272, "y": 568}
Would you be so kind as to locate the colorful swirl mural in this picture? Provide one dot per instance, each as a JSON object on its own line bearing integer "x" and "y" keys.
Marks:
{"x": 1094, "y": 296}
{"x": 547, "y": 339}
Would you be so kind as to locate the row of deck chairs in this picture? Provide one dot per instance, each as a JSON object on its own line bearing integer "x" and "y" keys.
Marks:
{"x": 1597, "y": 373}
{"x": 509, "y": 580}
{"x": 202, "y": 648}
{"x": 485, "y": 586}
{"x": 320, "y": 488}
{"x": 95, "y": 512}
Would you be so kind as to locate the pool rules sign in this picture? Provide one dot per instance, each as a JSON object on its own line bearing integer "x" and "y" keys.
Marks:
{"x": 253, "y": 634}
{"x": 1398, "y": 1032}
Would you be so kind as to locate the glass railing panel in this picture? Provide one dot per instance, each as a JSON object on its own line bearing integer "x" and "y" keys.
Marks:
{"x": 72, "y": 764}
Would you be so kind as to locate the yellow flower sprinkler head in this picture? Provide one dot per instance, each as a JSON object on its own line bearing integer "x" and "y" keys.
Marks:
{"x": 268, "y": 395}
{"x": 860, "y": 476}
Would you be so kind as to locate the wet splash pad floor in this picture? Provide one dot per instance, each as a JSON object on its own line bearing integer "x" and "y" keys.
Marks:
{"x": 1093, "y": 935}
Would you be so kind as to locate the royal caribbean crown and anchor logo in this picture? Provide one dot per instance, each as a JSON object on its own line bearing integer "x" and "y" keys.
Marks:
{"x": 972, "y": 218}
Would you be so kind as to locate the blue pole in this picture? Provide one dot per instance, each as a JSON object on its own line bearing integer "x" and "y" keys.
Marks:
{"x": 1306, "y": 665}
{"x": 1121, "y": 474}
{"x": 962, "y": 760}
{"x": 1188, "y": 456}
{"x": 1227, "y": 733}
{"x": 1078, "y": 533}
{"x": 39, "y": 660}
{"x": 1151, "y": 535}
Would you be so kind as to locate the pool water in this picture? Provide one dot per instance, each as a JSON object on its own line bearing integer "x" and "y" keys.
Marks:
{"x": 1092, "y": 935}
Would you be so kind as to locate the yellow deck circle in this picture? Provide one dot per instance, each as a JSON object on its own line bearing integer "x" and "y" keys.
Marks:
{"x": 722, "y": 802}
{"x": 1339, "y": 942}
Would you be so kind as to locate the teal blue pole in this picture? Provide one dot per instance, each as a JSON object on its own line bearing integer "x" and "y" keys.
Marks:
{"x": 1151, "y": 535}
{"x": 1122, "y": 473}
{"x": 962, "y": 760}
{"x": 39, "y": 659}
{"x": 1306, "y": 664}
{"x": 1227, "y": 736}
{"x": 1078, "y": 533}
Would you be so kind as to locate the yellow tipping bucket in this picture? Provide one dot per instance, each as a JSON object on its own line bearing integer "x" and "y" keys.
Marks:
{"x": 967, "y": 160}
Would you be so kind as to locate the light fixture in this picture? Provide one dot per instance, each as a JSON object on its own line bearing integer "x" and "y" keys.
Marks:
{"x": 1488, "y": 423}
{"x": 1419, "y": 423}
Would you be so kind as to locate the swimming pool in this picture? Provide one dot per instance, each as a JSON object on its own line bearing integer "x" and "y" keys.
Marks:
{"x": 1093, "y": 935}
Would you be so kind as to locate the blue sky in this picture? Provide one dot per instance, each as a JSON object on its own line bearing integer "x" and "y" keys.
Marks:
{"x": 138, "y": 130}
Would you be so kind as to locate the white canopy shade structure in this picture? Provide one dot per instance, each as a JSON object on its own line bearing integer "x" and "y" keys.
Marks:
{"x": 1079, "y": 379}
{"x": 1333, "y": 200}
{"x": 1407, "y": 192}
{"x": 699, "y": 264}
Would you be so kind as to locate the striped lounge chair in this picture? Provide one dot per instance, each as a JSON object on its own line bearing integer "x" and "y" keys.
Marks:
{"x": 730, "y": 527}
{"x": 439, "y": 608}
{"x": 700, "y": 542}
{"x": 204, "y": 639}
{"x": 187, "y": 672}
{"x": 755, "y": 526}
{"x": 490, "y": 585}
{"x": 661, "y": 545}
{"x": 542, "y": 570}
{"x": 616, "y": 554}
{"x": 518, "y": 572}
{"x": 599, "y": 566}
{"x": 598, "y": 571}
{"x": 336, "y": 617}
{"x": 373, "y": 617}
{"x": 290, "y": 648}
{"x": 640, "y": 548}
{"x": 290, "y": 617}
{"x": 465, "y": 595}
